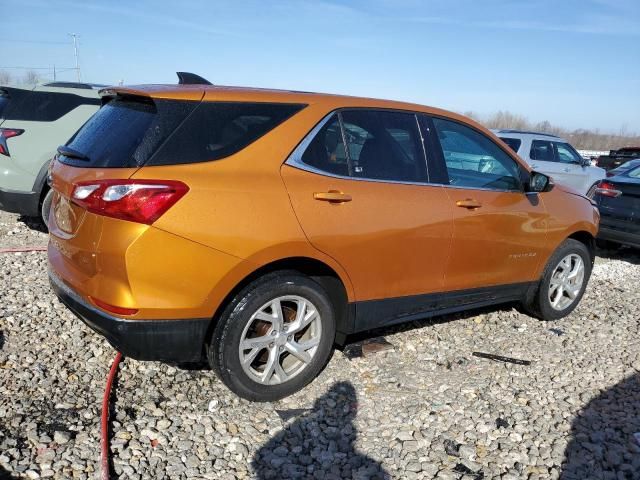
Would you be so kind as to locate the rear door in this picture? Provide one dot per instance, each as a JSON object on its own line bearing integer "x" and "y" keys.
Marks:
{"x": 359, "y": 187}
{"x": 499, "y": 231}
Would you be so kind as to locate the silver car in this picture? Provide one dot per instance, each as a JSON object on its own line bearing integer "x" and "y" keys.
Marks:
{"x": 553, "y": 156}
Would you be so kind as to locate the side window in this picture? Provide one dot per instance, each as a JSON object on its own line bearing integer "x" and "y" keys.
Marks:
{"x": 384, "y": 145}
{"x": 514, "y": 143}
{"x": 566, "y": 154}
{"x": 542, "y": 150}
{"x": 474, "y": 160}
{"x": 326, "y": 151}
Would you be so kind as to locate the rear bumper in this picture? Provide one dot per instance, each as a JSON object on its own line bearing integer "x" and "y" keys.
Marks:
{"x": 618, "y": 232}
{"x": 24, "y": 203}
{"x": 161, "y": 340}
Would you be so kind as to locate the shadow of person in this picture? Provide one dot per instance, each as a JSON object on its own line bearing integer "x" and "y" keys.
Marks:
{"x": 319, "y": 444}
{"x": 4, "y": 475}
{"x": 603, "y": 444}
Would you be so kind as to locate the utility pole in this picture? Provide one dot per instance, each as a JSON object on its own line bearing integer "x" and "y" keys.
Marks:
{"x": 75, "y": 53}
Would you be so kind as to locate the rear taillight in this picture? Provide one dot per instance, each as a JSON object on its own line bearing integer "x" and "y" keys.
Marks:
{"x": 607, "y": 189}
{"x": 141, "y": 201}
{"x": 5, "y": 134}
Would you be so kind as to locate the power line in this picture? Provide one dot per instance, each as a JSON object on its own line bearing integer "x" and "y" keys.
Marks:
{"x": 45, "y": 42}
{"x": 65, "y": 69}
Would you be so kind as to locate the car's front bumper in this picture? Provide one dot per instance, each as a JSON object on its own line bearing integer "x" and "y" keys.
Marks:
{"x": 162, "y": 340}
{"x": 24, "y": 203}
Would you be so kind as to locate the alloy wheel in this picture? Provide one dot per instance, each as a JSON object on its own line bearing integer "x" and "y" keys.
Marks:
{"x": 566, "y": 282}
{"x": 280, "y": 339}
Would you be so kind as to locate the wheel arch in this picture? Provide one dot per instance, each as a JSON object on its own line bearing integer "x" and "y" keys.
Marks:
{"x": 585, "y": 237}
{"x": 336, "y": 287}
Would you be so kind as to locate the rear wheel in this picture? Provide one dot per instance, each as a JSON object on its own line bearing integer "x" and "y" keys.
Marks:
{"x": 563, "y": 282}
{"x": 274, "y": 337}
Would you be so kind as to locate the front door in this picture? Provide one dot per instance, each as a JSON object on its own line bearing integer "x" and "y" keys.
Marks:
{"x": 368, "y": 205}
{"x": 499, "y": 231}
{"x": 572, "y": 166}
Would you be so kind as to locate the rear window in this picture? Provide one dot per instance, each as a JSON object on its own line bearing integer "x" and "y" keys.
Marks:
{"x": 44, "y": 106}
{"x": 4, "y": 101}
{"x": 514, "y": 143}
{"x": 125, "y": 132}
{"x": 134, "y": 132}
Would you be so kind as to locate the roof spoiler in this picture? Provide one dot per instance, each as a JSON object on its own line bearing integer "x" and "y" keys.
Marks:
{"x": 187, "y": 78}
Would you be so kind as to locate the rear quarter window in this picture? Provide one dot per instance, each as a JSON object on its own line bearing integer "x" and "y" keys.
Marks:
{"x": 217, "y": 130}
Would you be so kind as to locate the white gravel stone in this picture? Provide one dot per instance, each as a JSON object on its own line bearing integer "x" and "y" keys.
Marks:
{"x": 571, "y": 414}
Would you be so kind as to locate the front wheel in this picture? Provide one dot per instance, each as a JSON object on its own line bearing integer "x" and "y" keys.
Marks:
{"x": 563, "y": 282}
{"x": 274, "y": 337}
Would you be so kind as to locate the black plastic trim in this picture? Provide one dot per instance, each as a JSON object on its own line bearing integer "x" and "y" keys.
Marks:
{"x": 372, "y": 314}
{"x": 188, "y": 78}
{"x": 24, "y": 203}
{"x": 161, "y": 340}
{"x": 619, "y": 236}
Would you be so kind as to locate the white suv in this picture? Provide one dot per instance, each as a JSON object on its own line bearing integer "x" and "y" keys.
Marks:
{"x": 33, "y": 123}
{"x": 553, "y": 156}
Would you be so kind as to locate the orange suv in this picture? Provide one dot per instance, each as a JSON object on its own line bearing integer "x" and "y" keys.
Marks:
{"x": 258, "y": 228}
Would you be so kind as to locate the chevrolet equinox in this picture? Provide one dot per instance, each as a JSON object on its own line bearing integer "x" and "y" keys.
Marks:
{"x": 257, "y": 228}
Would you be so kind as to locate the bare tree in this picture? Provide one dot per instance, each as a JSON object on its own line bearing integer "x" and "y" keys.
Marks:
{"x": 580, "y": 138}
{"x": 31, "y": 77}
{"x": 5, "y": 78}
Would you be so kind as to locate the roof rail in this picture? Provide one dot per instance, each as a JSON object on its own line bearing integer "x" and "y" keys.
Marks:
{"x": 527, "y": 132}
{"x": 187, "y": 78}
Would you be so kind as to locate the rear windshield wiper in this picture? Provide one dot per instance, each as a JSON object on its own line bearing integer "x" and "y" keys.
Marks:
{"x": 71, "y": 153}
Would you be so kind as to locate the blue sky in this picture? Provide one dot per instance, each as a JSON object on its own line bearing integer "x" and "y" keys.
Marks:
{"x": 575, "y": 63}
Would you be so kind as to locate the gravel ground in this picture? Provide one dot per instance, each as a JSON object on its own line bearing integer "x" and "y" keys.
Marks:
{"x": 426, "y": 409}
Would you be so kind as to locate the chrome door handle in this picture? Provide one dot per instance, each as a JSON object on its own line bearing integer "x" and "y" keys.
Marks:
{"x": 534, "y": 166}
{"x": 332, "y": 196}
{"x": 566, "y": 169}
{"x": 469, "y": 203}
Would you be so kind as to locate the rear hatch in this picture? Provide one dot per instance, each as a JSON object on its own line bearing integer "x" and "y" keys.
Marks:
{"x": 111, "y": 146}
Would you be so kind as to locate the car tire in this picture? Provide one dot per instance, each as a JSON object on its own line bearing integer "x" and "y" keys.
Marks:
{"x": 551, "y": 299}
{"x": 45, "y": 208}
{"x": 267, "y": 369}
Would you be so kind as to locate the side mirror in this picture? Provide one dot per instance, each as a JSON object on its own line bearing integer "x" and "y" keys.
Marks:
{"x": 539, "y": 182}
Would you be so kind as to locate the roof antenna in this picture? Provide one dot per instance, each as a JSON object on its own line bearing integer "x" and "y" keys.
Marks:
{"x": 187, "y": 78}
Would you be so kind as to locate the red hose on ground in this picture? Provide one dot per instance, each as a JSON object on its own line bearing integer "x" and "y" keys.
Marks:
{"x": 104, "y": 441}
{"x": 23, "y": 249}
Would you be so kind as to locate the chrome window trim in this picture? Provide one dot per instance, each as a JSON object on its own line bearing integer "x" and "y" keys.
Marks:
{"x": 295, "y": 160}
